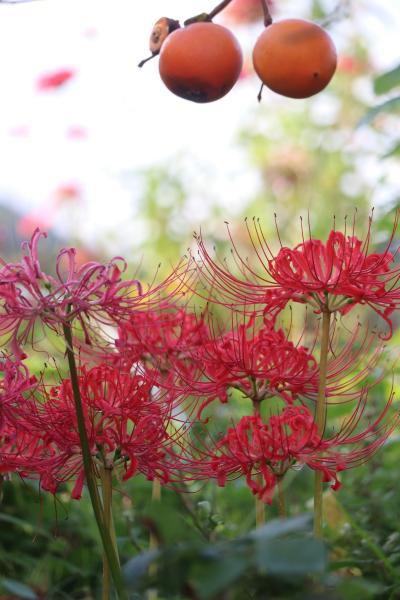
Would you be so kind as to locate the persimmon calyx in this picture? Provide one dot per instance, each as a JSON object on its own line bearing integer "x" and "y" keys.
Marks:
{"x": 161, "y": 29}
{"x": 201, "y": 18}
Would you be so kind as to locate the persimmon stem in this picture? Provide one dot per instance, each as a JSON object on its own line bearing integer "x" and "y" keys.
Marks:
{"x": 320, "y": 417}
{"x": 145, "y": 60}
{"x": 218, "y": 8}
{"x": 267, "y": 14}
{"x": 208, "y": 16}
{"x": 15, "y": 1}
{"x": 259, "y": 95}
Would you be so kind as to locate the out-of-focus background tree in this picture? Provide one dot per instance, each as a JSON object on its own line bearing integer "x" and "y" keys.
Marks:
{"x": 96, "y": 150}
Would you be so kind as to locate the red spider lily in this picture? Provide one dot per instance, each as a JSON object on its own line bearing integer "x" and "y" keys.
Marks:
{"x": 162, "y": 340}
{"x": 263, "y": 451}
{"x": 128, "y": 426}
{"x": 352, "y": 366}
{"x": 54, "y": 80}
{"x": 253, "y": 447}
{"x": 15, "y": 381}
{"x": 67, "y": 192}
{"x": 333, "y": 456}
{"x": 331, "y": 276}
{"x": 257, "y": 360}
{"x": 36, "y": 219}
{"x": 76, "y": 132}
{"x": 163, "y": 343}
{"x": 91, "y": 292}
{"x": 17, "y": 446}
{"x": 19, "y": 449}
{"x": 261, "y": 362}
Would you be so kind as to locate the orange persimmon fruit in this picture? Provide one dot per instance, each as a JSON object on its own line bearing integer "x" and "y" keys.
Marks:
{"x": 295, "y": 58}
{"x": 200, "y": 62}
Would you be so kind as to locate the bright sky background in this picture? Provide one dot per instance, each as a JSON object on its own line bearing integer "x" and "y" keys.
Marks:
{"x": 132, "y": 121}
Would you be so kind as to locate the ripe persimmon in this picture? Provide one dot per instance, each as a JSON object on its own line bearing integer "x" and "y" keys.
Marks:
{"x": 295, "y": 58}
{"x": 200, "y": 62}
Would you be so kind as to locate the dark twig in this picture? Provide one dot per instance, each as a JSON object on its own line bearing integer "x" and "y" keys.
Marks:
{"x": 16, "y": 1}
{"x": 208, "y": 16}
{"x": 267, "y": 14}
{"x": 145, "y": 60}
{"x": 340, "y": 12}
{"x": 218, "y": 8}
{"x": 191, "y": 511}
{"x": 259, "y": 95}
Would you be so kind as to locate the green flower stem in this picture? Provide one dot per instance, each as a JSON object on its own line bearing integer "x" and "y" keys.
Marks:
{"x": 260, "y": 506}
{"x": 106, "y": 486}
{"x": 260, "y": 510}
{"x": 153, "y": 543}
{"x": 320, "y": 417}
{"x": 368, "y": 540}
{"x": 281, "y": 499}
{"x": 88, "y": 466}
{"x": 375, "y": 549}
{"x": 155, "y": 498}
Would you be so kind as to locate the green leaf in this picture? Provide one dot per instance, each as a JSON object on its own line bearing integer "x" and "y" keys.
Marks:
{"x": 301, "y": 556}
{"x": 138, "y": 567}
{"x": 356, "y": 588}
{"x": 387, "y": 81}
{"x": 26, "y": 527}
{"x": 19, "y": 590}
{"x": 394, "y": 151}
{"x": 214, "y": 577}
{"x": 280, "y": 527}
{"x": 391, "y": 105}
{"x": 167, "y": 524}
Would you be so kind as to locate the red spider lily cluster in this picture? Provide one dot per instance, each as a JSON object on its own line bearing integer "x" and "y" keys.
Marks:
{"x": 260, "y": 362}
{"x": 131, "y": 425}
{"x": 167, "y": 366}
{"x": 126, "y": 421}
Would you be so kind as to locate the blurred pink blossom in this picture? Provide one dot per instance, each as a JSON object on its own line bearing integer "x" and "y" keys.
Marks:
{"x": 54, "y": 79}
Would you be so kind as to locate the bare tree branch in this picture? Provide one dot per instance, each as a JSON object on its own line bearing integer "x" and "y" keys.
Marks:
{"x": 16, "y": 1}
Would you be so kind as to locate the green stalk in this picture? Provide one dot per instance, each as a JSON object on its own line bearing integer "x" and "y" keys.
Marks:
{"x": 106, "y": 486}
{"x": 260, "y": 506}
{"x": 260, "y": 510}
{"x": 320, "y": 418}
{"x": 375, "y": 549}
{"x": 153, "y": 543}
{"x": 155, "y": 499}
{"x": 281, "y": 499}
{"x": 88, "y": 466}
